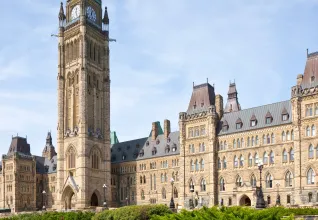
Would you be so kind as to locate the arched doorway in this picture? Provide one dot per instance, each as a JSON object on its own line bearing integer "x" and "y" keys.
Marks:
{"x": 94, "y": 200}
{"x": 68, "y": 197}
{"x": 245, "y": 201}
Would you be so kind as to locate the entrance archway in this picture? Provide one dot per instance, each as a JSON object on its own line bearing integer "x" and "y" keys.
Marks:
{"x": 94, "y": 200}
{"x": 68, "y": 197}
{"x": 245, "y": 201}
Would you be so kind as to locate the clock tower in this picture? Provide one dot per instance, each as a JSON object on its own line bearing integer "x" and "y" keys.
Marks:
{"x": 83, "y": 130}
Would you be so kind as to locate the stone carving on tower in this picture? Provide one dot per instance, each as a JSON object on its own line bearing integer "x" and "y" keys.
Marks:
{"x": 83, "y": 136}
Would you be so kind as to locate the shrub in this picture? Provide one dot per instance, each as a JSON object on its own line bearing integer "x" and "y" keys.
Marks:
{"x": 140, "y": 212}
{"x": 236, "y": 213}
{"x": 54, "y": 216}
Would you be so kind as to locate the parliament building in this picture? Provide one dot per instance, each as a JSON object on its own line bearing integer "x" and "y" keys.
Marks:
{"x": 212, "y": 159}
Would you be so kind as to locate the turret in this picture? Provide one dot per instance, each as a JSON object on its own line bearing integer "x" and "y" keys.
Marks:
{"x": 62, "y": 17}
{"x": 232, "y": 104}
{"x": 49, "y": 150}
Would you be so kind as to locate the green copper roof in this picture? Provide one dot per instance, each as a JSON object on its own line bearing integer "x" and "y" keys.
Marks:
{"x": 113, "y": 138}
{"x": 160, "y": 131}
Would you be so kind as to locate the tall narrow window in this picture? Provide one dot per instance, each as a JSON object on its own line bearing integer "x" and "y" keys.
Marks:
{"x": 224, "y": 163}
{"x": 289, "y": 179}
{"x": 265, "y": 158}
{"x": 307, "y": 131}
{"x": 203, "y": 185}
{"x": 311, "y": 152}
{"x": 283, "y": 136}
{"x": 253, "y": 181}
{"x": 291, "y": 155}
{"x": 202, "y": 164}
{"x": 269, "y": 181}
{"x": 313, "y": 130}
{"x": 284, "y": 156}
{"x": 310, "y": 177}
{"x": 235, "y": 162}
{"x": 219, "y": 163}
{"x": 222, "y": 184}
{"x": 271, "y": 160}
{"x": 250, "y": 160}
{"x": 239, "y": 181}
{"x": 196, "y": 165}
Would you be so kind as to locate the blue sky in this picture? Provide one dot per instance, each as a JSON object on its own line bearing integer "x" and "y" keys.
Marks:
{"x": 162, "y": 47}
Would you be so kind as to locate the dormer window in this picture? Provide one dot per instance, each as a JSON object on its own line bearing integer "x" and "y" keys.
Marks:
{"x": 253, "y": 121}
{"x": 46, "y": 168}
{"x": 285, "y": 117}
{"x": 113, "y": 158}
{"x": 239, "y": 123}
{"x": 312, "y": 78}
{"x": 174, "y": 148}
{"x": 225, "y": 126}
{"x": 157, "y": 142}
{"x": 195, "y": 105}
{"x": 54, "y": 167}
{"x": 128, "y": 147}
{"x": 202, "y": 104}
{"x": 147, "y": 143}
{"x": 124, "y": 157}
{"x": 142, "y": 152}
{"x": 119, "y": 149}
{"x": 137, "y": 145}
{"x": 268, "y": 118}
{"x": 169, "y": 139}
{"x": 154, "y": 151}
{"x": 167, "y": 149}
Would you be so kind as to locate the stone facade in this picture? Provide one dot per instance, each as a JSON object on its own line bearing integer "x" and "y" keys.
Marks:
{"x": 212, "y": 160}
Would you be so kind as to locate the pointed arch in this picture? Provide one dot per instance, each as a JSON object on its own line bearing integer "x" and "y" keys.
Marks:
{"x": 310, "y": 174}
{"x": 310, "y": 151}
{"x": 71, "y": 157}
{"x": 288, "y": 179}
{"x": 284, "y": 156}
{"x": 224, "y": 162}
{"x": 313, "y": 130}
{"x": 253, "y": 180}
{"x": 222, "y": 184}
{"x": 271, "y": 157}
{"x": 291, "y": 154}
{"x": 203, "y": 185}
{"x": 269, "y": 180}
{"x": 163, "y": 193}
{"x": 238, "y": 181}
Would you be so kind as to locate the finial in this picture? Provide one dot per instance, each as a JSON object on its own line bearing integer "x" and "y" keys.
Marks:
{"x": 193, "y": 84}
{"x": 106, "y": 19}
{"x": 17, "y": 134}
{"x": 307, "y": 52}
{"x": 207, "y": 80}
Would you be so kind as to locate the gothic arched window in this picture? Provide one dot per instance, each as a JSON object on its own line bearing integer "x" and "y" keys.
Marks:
{"x": 269, "y": 181}
{"x": 310, "y": 152}
{"x": 222, "y": 184}
{"x": 310, "y": 177}
{"x": 71, "y": 158}
{"x": 289, "y": 179}
{"x": 203, "y": 185}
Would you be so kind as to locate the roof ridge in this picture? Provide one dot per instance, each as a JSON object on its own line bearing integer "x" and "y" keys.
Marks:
{"x": 144, "y": 138}
{"x": 257, "y": 106}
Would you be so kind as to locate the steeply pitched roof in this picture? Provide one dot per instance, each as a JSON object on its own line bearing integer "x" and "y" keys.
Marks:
{"x": 260, "y": 112}
{"x": 232, "y": 104}
{"x": 45, "y": 165}
{"x": 311, "y": 70}
{"x": 202, "y": 97}
{"x": 19, "y": 145}
{"x": 132, "y": 148}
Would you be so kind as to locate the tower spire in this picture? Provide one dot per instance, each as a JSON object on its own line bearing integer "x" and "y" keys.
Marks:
{"x": 105, "y": 21}
{"x": 232, "y": 104}
{"x": 62, "y": 16}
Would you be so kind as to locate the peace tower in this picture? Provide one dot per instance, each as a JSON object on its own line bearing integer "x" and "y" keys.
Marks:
{"x": 83, "y": 130}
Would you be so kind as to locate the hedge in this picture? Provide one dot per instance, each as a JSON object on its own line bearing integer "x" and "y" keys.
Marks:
{"x": 238, "y": 213}
{"x": 53, "y": 216}
{"x": 140, "y": 212}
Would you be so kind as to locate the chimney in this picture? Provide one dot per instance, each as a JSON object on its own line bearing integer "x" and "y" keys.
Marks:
{"x": 167, "y": 128}
{"x": 219, "y": 105}
{"x": 154, "y": 132}
{"x": 299, "y": 79}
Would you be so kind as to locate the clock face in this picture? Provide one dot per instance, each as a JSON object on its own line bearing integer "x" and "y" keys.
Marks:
{"x": 75, "y": 12}
{"x": 91, "y": 14}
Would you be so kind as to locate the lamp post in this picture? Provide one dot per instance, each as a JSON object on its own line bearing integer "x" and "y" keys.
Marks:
{"x": 278, "y": 196}
{"x": 105, "y": 203}
{"x": 43, "y": 202}
{"x": 172, "y": 205}
{"x": 260, "y": 202}
{"x": 191, "y": 200}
